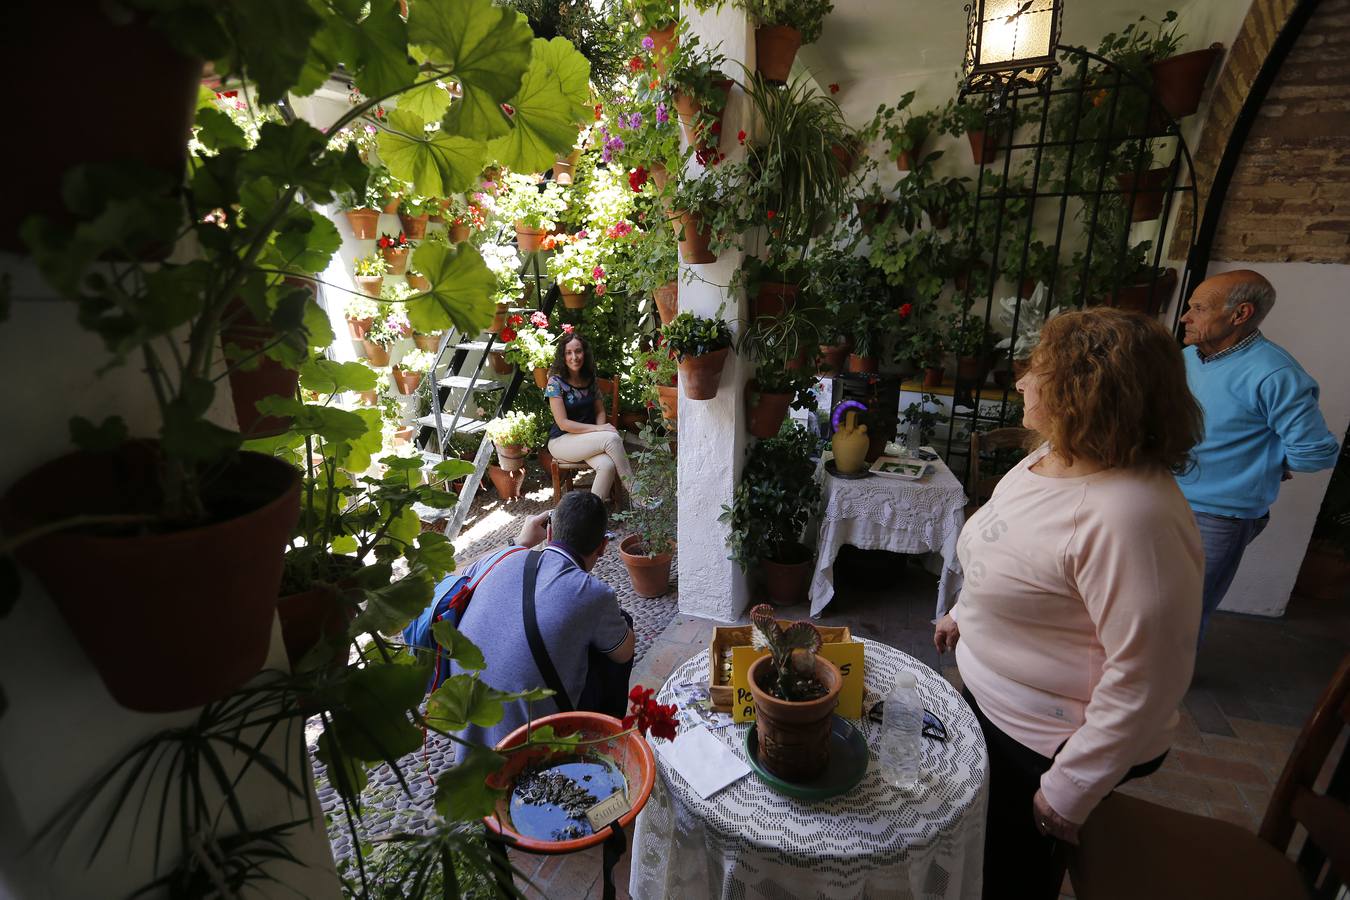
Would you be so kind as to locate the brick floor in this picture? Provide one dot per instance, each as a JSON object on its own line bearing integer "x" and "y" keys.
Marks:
{"x": 1256, "y": 680}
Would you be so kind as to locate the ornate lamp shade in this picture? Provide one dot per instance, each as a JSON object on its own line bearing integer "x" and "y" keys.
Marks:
{"x": 1010, "y": 43}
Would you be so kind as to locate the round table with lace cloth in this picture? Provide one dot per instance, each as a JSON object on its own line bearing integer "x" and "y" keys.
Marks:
{"x": 749, "y": 842}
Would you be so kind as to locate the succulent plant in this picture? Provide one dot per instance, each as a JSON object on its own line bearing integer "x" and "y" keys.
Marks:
{"x": 794, "y": 655}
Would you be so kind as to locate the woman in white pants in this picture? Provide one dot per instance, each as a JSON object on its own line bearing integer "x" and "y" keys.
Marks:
{"x": 581, "y": 431}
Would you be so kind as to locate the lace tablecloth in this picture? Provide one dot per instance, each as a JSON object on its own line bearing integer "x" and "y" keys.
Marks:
{"x": 879, "y": 513}
{"x": 748, "y": 842}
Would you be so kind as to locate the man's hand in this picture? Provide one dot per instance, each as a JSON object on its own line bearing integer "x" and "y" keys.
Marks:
{"x": 535, "y": 529}
{"x": 946, "y": 634}
{"x": 1052, "y": 823}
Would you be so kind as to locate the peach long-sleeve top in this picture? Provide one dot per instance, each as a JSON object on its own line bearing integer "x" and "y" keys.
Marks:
{"x": 1078, "y": 618}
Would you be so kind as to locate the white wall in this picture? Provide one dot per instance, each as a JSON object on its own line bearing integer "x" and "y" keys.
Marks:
{"x": 1311, "y": 319}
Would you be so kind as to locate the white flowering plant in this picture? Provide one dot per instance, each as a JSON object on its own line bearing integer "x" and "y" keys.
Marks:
{"x": 530, "y": 203}
{"x": 504, "y": 263}
{"x": 417, "y": 361}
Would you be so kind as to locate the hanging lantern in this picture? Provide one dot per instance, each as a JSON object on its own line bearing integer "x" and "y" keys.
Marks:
{"x": 1010, "y": 43}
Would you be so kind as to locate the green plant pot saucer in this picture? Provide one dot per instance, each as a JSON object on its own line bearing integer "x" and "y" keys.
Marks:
{"x": 847, "y": 765}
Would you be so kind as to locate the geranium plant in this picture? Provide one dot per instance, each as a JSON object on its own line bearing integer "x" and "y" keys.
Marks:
{"x": 691, "y": 335}
{"x": 417, "y": 361}
{"x": 653, "y": 368}
{"x": 531, "y": 203}
{"x": 699, "y": 83}
{"x": 370, "y": 266}
{"x": 528, "y": 344}
{"x": 903, "y": 132}
{"x": 504, "y": 262}
{"x": 394, "y": 242}
{"x": 579, "y": 263}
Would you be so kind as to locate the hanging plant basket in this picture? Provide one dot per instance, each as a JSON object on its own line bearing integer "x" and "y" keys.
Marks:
{"x": 1179, "y": 81}
{"x": 396, "y": 259}
{"x": 406, "y": 382}
{"x": 667, "y": 299}
{"x": 168, "y": 585}
{"x": 428, "y": 342}
{"x": 664, "y": 42}
{"x": 984, "y": 145}
{"x": 773, "y": 299}
{"x": 650, "y": 575}
{"x": 702, "y": 374}
{"x": 694, "y": 238}
{"x": 365, "y": 223}
{"x": 776, "y": 47}
{"x": 265, "y": 378}
{"x": 378, "y": 355}
{"x": 670, "y": 401}
{"x": 1148, "y": 190}
{"x": 370, "y": 285}
{"x": 359, "y": 328}
{"x": 575, "y": 299}
{"x": 767, "y": 411}
{"x": 529, "y": 239}
{"x": 414, "y": 227}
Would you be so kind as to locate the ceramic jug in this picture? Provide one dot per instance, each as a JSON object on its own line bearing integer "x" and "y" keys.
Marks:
{"x": 850, "y": 446}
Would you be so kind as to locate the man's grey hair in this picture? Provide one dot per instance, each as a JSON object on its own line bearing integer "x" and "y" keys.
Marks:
{"x": 1259, "y": 294}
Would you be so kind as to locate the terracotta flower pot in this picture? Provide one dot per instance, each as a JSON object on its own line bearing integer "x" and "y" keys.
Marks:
{"x": 865, "y": 365}
{"x": 932, "y": 376}
{"x": 368, "y": 398}
{"x": 365, "y": 223}
{"x": 767, "y": 411}
{"x": 428, "y": 342}
{"x": 1145, "y": 191}
{"x": 397, "y": 259}
{"x": 575, "y": 299}
{"x": 786, "y": 582}
{"x": 830, "y": 360}
{"x": 245, "y": 338}
{"x": 688, "y": 109}
{"x": 1146, "y": 297}
{"x": 650, "y": 575}
{"x": 970, "y": 369}
{"x": 405, "y": 434}
{"x": 1179, "y": 81}
{"x": 406, "y": 382}
{"x": 369, "y": 285}
{"x": 168, "y": 585}
{"x": 419, "y": 282}
{"x": 659, "y": 174}
{"x": 670, "y": 401}
{"x": 631, "y": 421}
{"x": 459, "y": 233}
{"x": 529, "y": 239}
{"x": 630, "y": 754}
{"x": 694, "y": 239}
{"x": 391, "y": 208}
{"x": 665, "y": 41}
{"x": 794, "y": 738}
{"x": 984, "y": 145}
{"x": 776, "y": 47}
{"x": 541, "y": 377}
{"x": 773, "y": 299}
{"x": 320, "y": 613}
{"x": 667, "y": 299}
{"x": 507, "y": 484}
{"x": 359, "y": 328}
{"x": 499, "y": 363}
{"x": 904, "y": 160}
{"x": 511, "y": 457}
{"x": 414, "y": 227}
{"x": 378, "y": 356}
{"x": 702, "y": 374}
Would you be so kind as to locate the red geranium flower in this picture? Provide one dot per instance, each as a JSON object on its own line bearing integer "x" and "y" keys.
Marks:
{"x": 637, "y": 178}
{"x": 647, "y": 715}
{"x": 651, "y": 365}
{"x": 636, "y": 64}
{"x": 771, "y": 213}
{"x": 507, "y": 335}
{"x": 905, "y": 310}
{"x": 517, "y": 319}
{"x": 834, "y": 88}
{"x": 740, "y": 136}
{"x": 598, "y": 108}
{"x": 508, "y": 109}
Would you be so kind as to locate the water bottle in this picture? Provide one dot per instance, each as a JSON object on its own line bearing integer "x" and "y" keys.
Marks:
{"x": 901, "y": 732}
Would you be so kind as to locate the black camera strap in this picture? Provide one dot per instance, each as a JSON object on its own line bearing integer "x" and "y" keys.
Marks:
{"x": 542, "y": 661}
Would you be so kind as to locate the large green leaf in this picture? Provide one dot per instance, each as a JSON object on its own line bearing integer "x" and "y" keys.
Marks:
{"x": 375, "y": 724}
{"x": 305, "y": 241}
{"x": 461, "y": 289}
{"x": 552, "y": 102}
{"x": 326, "y": 376}
{"x": 462, "y": 793}
{"x": 273, "y": 39}
{"x": 463, "y": 699}
{"x": 458, "y": 647}
{"x": 427, "y": 102}
{"x": 390, "y": 607}
{"x": 382, "y": 50}
{"x": 487, "y": 49}
{"x": 434, "y": 553}
{"x": 437, "y": 164}
{"x": 217, "y": 130}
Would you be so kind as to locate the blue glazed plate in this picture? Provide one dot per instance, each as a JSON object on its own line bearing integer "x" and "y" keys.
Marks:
{"x": 847, "y": 765}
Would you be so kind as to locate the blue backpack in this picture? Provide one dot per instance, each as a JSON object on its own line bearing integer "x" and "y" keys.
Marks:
{"x": 452, "y": 600}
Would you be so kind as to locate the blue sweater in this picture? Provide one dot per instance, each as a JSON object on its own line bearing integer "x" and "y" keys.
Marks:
{"x": 1260, "y": 415}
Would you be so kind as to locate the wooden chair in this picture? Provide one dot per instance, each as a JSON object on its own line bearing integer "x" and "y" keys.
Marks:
{"x": 980, "y": 488}
{"x": 561, "y": 472}
{"x": 1131, "y": 848}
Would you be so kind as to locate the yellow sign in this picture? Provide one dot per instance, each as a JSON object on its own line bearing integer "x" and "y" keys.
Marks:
{"x": 848, "y": 657}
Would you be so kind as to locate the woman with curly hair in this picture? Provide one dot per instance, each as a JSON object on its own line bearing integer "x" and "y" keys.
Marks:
{"x": 1078, "y": 615}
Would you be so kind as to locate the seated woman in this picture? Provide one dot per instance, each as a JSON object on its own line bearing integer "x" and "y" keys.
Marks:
{"x": 580, "y": 432}
{"x": 1081, "y": 602}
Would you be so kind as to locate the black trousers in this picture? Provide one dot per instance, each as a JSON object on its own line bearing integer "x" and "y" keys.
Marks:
{"x": 606, "y": 689}
{"x": 1019, "y": 861}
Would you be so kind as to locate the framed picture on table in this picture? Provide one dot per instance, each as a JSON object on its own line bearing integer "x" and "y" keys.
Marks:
{"x": 906, "y": 469}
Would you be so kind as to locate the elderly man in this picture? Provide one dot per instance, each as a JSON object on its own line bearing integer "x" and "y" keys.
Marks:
{"x": 1261, "y": 421}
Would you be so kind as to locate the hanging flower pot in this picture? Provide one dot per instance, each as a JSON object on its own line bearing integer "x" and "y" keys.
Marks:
{"x": 564, "y": 168}
{"x": 541, "y": 377}
{"x": 1146, "y": 295}
{"x": 359, "y": 328}
{"x": 499, "y": 317}
{"x": 702, "y": 374}
{"x": 365, "y": 223}
{"x": 904, "y": 160}
{"x": 459, "y": 233}
{"x": 396, "y": 258}
{"x": 368, "y": 398}
{"x": 415, "y": 227}
{"x": 405, "y": 434}
{"x": 511, "y": 456}
{"x": 767, "y": 411}
{"x": 689, "y": 109}
{"x": 499, "y": 363}
{"x": 529, "y": 239}
{"x": 406, "y": 382}
{"x": 776, "y": 47}
{"x": 1179, "y": 81}
{"x": 507, "y": 484}
{"x": 370, "y": 285}
{"x": 650, "y": 575}
{"x": 670, "y": 401}
{"x": 866, "y": 365}
{"x": 794, "y": 737}
{"x": 378, "y": 355}
{"x": 773, "y": 299}
{"x": 870, "y": 213}
{"x": 846, "y": 156}
{"x": 667, "y": 299}
{"x": 664, "y": 42}
{"x": 1147, "y": 190}
{"x": 320, "y": 613}
{"x": 932, "y": 376}
{"x": 242, "y": 339}
{"x": 694, "y": 238}
{"x": 419, "y": 282}
{"x": 391, "y": 208}
{"x": 830, "y": 360}
{"x": 984, "y": 144}
{"x": 659, "y": 174}
{"x": 575, "y": 299}
{"x": 428, "y": 342}
{"x": 169, "y": 585}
